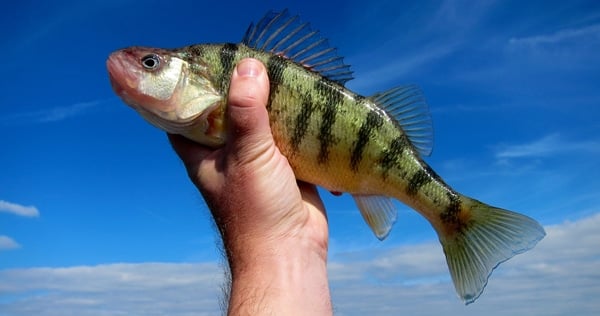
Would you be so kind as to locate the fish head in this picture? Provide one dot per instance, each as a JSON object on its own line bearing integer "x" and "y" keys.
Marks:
{"x": 169, "y": 92}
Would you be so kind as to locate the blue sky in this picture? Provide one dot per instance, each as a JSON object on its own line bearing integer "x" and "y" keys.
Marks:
{"x": 98, "y": 217}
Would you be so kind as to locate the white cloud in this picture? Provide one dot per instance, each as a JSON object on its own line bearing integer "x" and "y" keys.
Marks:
{"x": 17, "y": 209}
{"x": 7, "y": 243}
{"x": 63, "y": 112}
{"x": 113, "y": 289}
{"x": 54, "y": 114}
{"x": 591, "y": 31}
{"x": 559, "y": 277}
{"x": 547, "y": 145}
{"x": 570, "y": 50}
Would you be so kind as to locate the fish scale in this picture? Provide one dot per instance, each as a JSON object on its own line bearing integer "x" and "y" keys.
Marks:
{"x": 370, "y": 147}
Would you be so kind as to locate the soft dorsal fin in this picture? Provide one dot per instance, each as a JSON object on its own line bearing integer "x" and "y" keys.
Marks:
{"x": 287, "y": 36}
{"x": 406, "y": 105}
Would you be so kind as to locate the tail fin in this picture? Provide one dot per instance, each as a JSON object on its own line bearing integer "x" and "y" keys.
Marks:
{"x": 491, "y": 237}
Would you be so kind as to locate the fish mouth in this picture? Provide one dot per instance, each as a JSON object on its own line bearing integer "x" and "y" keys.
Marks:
{"x": 121, "y": 76}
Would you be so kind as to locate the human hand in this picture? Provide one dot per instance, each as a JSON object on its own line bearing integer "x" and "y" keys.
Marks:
{"x": 274, "y": 228}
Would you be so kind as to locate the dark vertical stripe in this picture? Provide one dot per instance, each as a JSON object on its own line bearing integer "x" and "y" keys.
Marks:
{"x": 450, "y": 214}
{"x": 328, "y": 117}
{"x": 432, "y": 174}
{"x": 418, "y": 180}
{"x": 275, "y": 66}
{"x": 302, "y": 122}
{"x": 194, "y": 51}
{"x": 227, "y": 57}
{"x": 391, "y": 156}
{"x": 192, "y": 54}
{"x": 373, "y": 122}
{"x": 326, "y": 138}
{"x": 359, "y": 98}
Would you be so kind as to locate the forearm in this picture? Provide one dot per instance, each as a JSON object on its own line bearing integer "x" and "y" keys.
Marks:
{"x": 289, "y": 278}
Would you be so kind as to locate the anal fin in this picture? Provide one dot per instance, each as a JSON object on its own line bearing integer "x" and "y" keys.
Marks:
{"x": 379, "y": 213}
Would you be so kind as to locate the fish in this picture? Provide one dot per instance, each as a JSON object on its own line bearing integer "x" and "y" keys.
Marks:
{"x": 371, "y": 147}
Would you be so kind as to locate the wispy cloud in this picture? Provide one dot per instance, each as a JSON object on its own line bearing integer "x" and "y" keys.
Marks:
{"x": 7, "y": 243}
{"x": 591, "y": 31}
{"x": 571, "y": 50}
{"x": 558, "y": 277}
{"x": 399, "y": 67}
{"x": 444, "y": 28}
{"x": 468, "y": 108}
{"x": 545, "y": 146}
{"x": 53, "y": 114}
{"x": 18, "y": 209}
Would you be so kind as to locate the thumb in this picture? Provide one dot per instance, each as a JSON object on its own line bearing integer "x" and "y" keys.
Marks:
{"x": 247, "y": 118}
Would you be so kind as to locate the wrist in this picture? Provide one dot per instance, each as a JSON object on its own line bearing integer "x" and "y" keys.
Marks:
{"x": 279, "y": 276}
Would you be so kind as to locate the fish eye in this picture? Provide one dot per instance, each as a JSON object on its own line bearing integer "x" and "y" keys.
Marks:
{"x": 151, "y": 61}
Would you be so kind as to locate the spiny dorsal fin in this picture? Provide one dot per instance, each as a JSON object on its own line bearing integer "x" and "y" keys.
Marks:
{"x": 285, "y": 35}
{"x": 407, "y": 106}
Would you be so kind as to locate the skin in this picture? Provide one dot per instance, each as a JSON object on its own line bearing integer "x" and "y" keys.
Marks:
{"x": 274, "y": 228}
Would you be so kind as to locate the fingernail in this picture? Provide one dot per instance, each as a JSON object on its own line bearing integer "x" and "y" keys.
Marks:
{"x": 248, "y": 68}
